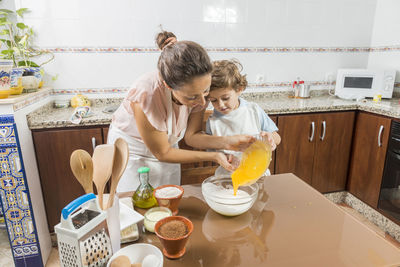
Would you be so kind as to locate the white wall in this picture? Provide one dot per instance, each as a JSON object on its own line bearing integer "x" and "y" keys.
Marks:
{"x": 386, "y": 31}
{"x": 212, "y": 23}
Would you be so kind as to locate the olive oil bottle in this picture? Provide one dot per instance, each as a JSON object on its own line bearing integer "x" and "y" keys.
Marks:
{"x": 143, "y": 196}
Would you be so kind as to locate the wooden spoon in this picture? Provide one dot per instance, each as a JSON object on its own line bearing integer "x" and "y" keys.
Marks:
{"x": 103, "y": 158}
{"x": 120, "y": 161}
{"x": 82, "y": 168}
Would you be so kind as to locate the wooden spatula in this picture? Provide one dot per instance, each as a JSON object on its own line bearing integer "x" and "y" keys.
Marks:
{"x": 103, "y": 158}
{"x": 82, "y": 167}
{"x": 120, "y": 161}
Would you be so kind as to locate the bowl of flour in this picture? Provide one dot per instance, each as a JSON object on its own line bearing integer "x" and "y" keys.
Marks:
{"x": 218, "y": 193}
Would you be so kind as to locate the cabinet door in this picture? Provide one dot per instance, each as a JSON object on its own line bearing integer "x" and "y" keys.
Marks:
{"x": 332, "y": 151}
{"x": 272, "y": 164}
{"x": 53, "y": 151}
{"x": 368, "y": 158}
{"x": 105, "y": 134}
{"x": 295, "y": 154}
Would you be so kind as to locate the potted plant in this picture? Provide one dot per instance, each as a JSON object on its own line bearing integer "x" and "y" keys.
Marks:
{"x": 17, "y": 45}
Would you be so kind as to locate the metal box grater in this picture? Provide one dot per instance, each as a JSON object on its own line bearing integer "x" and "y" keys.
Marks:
{"x": 82, "y": 234}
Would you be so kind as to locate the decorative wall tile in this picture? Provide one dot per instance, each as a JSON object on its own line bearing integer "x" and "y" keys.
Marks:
{"x": 37, "y": 97}
{"x": 15, "y": 199}
{"x": 229, "y": 49}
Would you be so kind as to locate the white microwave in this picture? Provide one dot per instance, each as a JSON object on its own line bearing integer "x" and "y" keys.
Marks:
{"x": 361, "y": 83}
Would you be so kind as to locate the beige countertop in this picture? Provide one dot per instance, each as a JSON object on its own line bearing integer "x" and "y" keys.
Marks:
{"x": 50, "y": 117}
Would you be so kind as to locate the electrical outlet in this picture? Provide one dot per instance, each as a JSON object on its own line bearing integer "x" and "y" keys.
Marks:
{"x": 259, "y": 78}
{"x": 329, "y": 77}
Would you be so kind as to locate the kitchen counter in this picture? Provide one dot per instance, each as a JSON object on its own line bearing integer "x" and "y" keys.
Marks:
{"x": 50, "y": 117}
{"x": 291, "y": 224}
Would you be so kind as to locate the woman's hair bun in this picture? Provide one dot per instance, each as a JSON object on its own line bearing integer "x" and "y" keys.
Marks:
{"x": 162, "y": 39}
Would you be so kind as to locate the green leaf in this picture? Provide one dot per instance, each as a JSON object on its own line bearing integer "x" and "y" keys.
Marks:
{"x": 7, "y": 11}
{"x": 22, "y": 26}
{"x": 21, "y": 11}
{"x": 4, "y": 32}
{"x": 7, "y": 42}
{"x": 7, "y": 52}
{"x": 27, "y": 63}
{"x": 4, "y": 21}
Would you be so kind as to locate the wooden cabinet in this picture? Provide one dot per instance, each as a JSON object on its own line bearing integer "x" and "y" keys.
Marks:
{"x": 53, "y": 151}
{"x": 332, "y": 152}
{"x": 295, "y": 154}
{"x": 368, "y": 158}
{"x": 272, "y": 164}
{"x": 316, "y": 148}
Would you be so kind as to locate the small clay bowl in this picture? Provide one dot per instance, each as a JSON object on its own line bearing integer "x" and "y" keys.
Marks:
{"x": 169, "y": 202}
{"x": 174, "y": 248}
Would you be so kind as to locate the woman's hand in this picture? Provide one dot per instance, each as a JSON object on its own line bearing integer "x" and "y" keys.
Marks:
{"x": 270, "y": 139}
{"x": 238, "y": 142}
{"x": 224, "y": 161}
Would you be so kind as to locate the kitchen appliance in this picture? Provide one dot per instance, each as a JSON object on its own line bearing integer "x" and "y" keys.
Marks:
{"x": 361, "y": 83}
{"x": 389, "y": 198}
{"x": 82, "y": 235}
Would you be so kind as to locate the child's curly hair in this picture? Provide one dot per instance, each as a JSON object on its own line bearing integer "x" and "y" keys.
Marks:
{"x": 226, "y": 74}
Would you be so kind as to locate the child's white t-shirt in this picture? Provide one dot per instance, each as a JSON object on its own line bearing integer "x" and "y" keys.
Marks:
{"x": 248, "y": 118}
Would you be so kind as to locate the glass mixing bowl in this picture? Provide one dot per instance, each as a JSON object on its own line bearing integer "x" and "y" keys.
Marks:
{"x": 218, "y": 193}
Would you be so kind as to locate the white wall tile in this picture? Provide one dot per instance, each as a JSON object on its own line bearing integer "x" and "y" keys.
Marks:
{"x": 212, "y": 23}
{"x": 387, "y": 23}
{"x": 386, "y": 32}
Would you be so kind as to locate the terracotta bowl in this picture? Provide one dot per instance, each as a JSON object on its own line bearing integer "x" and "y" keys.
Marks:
{"x": 174, "y": 248}
{"x": 172, "y": 202}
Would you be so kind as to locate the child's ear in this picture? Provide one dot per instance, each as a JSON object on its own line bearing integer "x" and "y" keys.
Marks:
{"x": 241, "y": 89}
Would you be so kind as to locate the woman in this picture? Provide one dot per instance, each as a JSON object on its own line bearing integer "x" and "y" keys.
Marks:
{"x": 154, "y": 115}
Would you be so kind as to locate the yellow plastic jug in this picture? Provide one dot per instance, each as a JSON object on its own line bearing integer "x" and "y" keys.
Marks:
{"x": 255, "y": 161}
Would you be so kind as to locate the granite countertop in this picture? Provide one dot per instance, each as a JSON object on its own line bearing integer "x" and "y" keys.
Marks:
{"x": 50, "y": 117}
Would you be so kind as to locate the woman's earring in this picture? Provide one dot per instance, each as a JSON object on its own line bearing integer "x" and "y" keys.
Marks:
{"x": 166, "y": 85}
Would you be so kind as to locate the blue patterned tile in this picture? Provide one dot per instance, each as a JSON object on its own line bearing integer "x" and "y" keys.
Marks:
{"x": 15, "y": 199}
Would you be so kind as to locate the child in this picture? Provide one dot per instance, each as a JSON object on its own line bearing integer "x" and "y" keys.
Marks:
{"x": 232, "y": 114}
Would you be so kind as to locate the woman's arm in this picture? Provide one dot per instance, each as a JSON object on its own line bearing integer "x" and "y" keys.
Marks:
{"x": 157, "y": 142}
{"x": 194, "y": 137}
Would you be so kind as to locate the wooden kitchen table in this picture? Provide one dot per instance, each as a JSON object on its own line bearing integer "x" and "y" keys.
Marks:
{"x": 291, "y": 224}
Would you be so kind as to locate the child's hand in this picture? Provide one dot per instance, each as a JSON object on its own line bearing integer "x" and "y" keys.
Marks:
{"x": 225, "y": 161}
{"x": 271, "y": 141}
{"x": 238, "y": 142}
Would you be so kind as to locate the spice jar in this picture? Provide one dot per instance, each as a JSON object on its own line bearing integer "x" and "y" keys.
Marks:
{"x": 143, "y": 196}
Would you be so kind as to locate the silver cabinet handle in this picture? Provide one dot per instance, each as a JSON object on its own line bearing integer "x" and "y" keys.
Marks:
{"x": 323, "y": 130}
{"x": 311, "y": 138}
{"x": 380, "y": 136}
{"x": 93, "y": 143}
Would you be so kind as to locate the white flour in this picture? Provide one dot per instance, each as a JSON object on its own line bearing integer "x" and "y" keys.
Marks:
{"x": 224, "y": 202}
{"x": 217, "y": 191}
{"x": 168, "y": 192}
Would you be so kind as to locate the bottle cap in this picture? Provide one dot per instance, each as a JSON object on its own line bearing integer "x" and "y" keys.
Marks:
{"x": 143, "y": 169}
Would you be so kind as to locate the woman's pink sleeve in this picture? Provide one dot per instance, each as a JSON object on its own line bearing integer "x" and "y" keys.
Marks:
{"x": 152, "y": 103}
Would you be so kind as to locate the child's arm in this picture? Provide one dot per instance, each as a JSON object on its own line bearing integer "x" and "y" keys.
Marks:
{"x": 274, "y": 138}
{"x": 194, "y": 137}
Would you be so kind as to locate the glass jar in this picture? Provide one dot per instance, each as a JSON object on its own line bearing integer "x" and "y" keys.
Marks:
{"x": 143, "y": 196}
{"x": 153, "y": 215}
